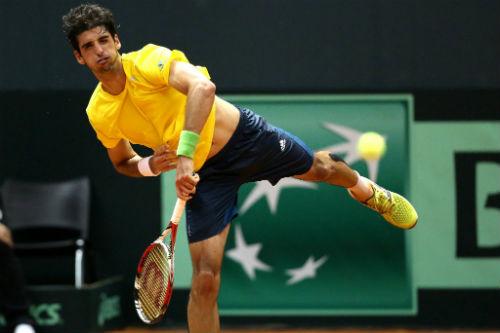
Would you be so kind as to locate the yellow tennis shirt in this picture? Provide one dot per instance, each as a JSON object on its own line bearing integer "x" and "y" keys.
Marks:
{"x": 148, "y": 111}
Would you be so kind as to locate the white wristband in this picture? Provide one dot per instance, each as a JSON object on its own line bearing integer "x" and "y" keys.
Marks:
{"x": 144, "y": 167}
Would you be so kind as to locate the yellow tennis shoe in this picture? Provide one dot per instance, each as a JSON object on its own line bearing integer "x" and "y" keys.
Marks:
{"x": 394, "y": 208}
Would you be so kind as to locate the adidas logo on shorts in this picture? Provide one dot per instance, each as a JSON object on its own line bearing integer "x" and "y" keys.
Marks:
{"x": 282, "y": 144}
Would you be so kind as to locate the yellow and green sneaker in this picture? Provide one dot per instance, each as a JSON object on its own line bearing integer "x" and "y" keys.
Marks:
{"x": 394, "y": 208}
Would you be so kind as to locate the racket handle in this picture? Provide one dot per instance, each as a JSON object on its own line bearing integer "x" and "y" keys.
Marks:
{"x": 178, "y": 210}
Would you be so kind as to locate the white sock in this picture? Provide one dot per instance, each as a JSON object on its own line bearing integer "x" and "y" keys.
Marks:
{"x": 362, "y": 191}
{"x": 24, "y": 328}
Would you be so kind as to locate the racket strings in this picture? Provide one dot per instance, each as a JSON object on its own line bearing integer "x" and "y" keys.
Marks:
{"x": 154, "y": 281}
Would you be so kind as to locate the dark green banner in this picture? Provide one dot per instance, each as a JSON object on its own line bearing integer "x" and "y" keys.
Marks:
{"x": 306, "y": 248}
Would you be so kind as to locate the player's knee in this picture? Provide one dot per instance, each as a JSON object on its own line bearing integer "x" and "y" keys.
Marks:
{"x": 336, "y": 158}
{"x": 324, "y": 166}
{"x": 205, "y": 285}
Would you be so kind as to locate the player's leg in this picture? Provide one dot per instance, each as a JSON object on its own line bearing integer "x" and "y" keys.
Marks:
{"x": 208, "y": 215}
{"x": 330, "y": 169}
{"x": 333, "y": 170}
{"x": 206, "y": 256}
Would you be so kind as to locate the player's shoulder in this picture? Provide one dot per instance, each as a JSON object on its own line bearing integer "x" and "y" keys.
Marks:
{"x": 101, "y": 105}
{"x": 150, "y": 52}
{"x": 150, "y": 48}
{"x": 94, "y": 99}
{"x": 94, "y": 102}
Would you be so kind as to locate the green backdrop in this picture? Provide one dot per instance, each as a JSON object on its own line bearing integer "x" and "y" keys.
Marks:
{"x": 304, "y": 248}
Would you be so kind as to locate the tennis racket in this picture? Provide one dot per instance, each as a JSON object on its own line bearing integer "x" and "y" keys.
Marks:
{"x": 154, "y": 279}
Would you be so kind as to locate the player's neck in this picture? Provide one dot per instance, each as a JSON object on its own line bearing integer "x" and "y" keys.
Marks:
{"x": 114, "y": 80}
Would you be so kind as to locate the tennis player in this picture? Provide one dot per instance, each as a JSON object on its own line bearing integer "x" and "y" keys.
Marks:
{"x": 154, "y": 97}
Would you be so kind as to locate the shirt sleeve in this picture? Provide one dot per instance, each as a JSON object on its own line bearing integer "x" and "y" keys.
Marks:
{"x": 107, "y": 141}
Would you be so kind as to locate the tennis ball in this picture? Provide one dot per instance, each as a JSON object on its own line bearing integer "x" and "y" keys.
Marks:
{"x": 371, "y": 146}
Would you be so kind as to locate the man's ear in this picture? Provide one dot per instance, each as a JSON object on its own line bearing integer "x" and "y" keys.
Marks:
{"x": 78, "y": 57}
{"x": 117, "y": 42}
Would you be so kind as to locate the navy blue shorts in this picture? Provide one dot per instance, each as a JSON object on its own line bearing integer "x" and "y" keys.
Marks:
{"x": 256, "y": 151}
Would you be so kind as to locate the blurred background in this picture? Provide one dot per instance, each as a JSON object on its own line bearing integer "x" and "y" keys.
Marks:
{"x": 425, "y": 73}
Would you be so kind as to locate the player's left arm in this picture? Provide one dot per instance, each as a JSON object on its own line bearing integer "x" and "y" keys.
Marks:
{"x": 200, "y": 92}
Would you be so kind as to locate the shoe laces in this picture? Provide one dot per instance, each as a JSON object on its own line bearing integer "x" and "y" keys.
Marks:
{"x": 382, "y": 199}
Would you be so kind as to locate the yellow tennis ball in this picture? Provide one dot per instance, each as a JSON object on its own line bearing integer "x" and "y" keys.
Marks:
{"x": 371, "y": 146}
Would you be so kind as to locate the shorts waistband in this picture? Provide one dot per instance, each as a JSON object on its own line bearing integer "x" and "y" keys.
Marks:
{"x": 238, "y": 133}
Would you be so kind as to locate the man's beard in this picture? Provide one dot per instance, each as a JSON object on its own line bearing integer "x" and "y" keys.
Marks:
{"x": 111, "y": 65}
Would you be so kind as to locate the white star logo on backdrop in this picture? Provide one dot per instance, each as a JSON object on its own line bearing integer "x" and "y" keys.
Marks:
{"x": 307, "y": 271}
{"x": 246, "y": 255}
{"x": 349, "y": 147}
{"x": 271, "y": 193}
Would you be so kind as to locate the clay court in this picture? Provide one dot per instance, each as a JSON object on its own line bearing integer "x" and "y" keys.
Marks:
{"x": 305, "y": 330}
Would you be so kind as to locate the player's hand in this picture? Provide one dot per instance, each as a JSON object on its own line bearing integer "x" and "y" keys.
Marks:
{"x": 186, "y": 179}
{"x": 163, "y": 159}
{"x": 5, "y": 235}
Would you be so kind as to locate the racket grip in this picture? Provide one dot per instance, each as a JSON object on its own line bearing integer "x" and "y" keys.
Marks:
{"x": 178, "y": 210}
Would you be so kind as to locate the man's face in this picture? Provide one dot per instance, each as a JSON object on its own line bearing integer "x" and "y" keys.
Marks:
{"x": 98, "y": 49}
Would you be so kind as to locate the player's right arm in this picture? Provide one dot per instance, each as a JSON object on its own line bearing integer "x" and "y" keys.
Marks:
{"x": 126, "y": 160}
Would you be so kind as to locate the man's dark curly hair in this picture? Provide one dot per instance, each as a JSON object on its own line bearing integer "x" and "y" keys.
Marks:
{"x": 86, "y": 17}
